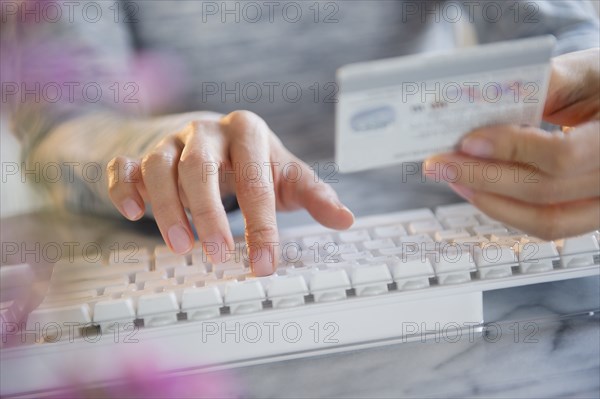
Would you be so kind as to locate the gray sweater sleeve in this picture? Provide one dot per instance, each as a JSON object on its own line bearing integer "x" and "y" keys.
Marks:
{"x": 573, "y": 23}
{"x": 77, "y": 101}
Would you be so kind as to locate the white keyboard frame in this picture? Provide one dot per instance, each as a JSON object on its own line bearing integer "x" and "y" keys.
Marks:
{"x": 362, "y": 322}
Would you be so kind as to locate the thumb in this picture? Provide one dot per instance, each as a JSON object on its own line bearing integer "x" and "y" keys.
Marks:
{"x": 308, "y": 191}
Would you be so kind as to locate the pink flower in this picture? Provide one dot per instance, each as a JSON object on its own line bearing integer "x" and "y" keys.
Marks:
{"x": 141, "y": 378}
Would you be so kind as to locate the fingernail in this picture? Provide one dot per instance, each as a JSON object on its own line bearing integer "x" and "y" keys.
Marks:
{"x": 340, "y": 206}
{"x": 477, "y": 147}
{"x": 262, "y": 262}
{"x": 132, "y": 209}
{"x": 180, "y": 239}
{"x": 463, "y": 191}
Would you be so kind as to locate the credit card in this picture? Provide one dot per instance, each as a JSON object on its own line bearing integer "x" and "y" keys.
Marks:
{"x": 408, "y": 108}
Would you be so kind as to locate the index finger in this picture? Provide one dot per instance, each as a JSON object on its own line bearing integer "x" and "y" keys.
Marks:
{"x": 250, "y": 158}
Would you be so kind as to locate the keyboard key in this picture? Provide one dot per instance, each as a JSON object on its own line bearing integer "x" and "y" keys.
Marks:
{"x": 142, "y": 277}
{"x": 395, "y": 230}
{"x": 162, "y": 251}
{"x": 220, "y": 284}
{"x": 424, "y": 226}
{"x": 411, "y": 266}
{"x": 491, "y": 272}
{"x": 244, "y": 297}
{"x": 311, "y": 257}
{"x": 379, "y": 244}
{"x": 169, "y": 263}
{"x": 344, "y": 248}
{"x": 356, "y": 256}
{"x": 452, "y": 257}
{"x": 453, "y": 266}
{"x": 329, "y": 285}
{"x": 414, "y": 283}
{"x": 130, "y": 255}
{"x": 237, "y": 274}
{"x": 370, "y": 279}
{"x": 234, "y": 264}
{"x": 512, "y": 241}
{"x": 83, "y": 296}
{"x": 199, "y": 258}
{"x": 76, "y": 313}
{"x": 292, "y": 245}
{"x": 347, "y": 266}
{"x": 492, "y": 254}
{"x": 320, "y": 240}
{"x": 114, "y": 310}
{"x": 496, "y": 229}
{"x": 579, "y": 244}
{"x": 135, "y": 295}
{"x": 455, "y": 222}
{"x": 448, "y": 235}
{"x": 119, "y": 289}
{"x": 84, "y": 285}
{"x": 385, "y": 259}
{"x": 354, "y": 236}
{"x": 201, "y": 303}
{"x": 469, "y": 242}
{"x": 73, "y": 272}
{"x": 287, "y": 291}
{"x": 67, "y": 267}
{"x": 485, "y": 219}
{"x": 399, "y": 217}
{"x": 156, "y": 284}
{"x": 536, "y": 256}
{"x": 182, "y": 271}
{"x": 178, "y": 290}
{"x": 494, "y": 261}
{"x": 454, "y": 210}
{"x": 158, "y": 309}
{"x": 414, "y": 242}
{"x": 579, "y": 251}
{"x": 49, "y": 304}
{"x": 391, "y": 251}
{"x": 200, "y": 279}
{"x": 412, "y": 273}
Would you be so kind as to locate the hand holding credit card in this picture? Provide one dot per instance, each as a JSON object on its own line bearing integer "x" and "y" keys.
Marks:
{"x": 409, "y": 108}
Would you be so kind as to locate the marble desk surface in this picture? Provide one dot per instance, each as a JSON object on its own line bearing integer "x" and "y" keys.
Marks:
{"x": 550, "y": 344}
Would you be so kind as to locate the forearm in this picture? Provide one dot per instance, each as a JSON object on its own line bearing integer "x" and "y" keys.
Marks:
{"x": 574, "y": 23}
{"x": 82, "y": 148}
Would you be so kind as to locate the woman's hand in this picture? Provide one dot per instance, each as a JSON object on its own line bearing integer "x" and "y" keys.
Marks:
{"x": 546, "y": 184}
{"x": 209, "y": 159}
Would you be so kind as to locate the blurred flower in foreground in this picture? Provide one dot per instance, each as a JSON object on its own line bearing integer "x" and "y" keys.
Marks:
{"x": 140, "y": 377}
{"x": 52, "y": 64}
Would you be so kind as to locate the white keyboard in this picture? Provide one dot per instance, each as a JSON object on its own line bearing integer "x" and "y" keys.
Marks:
{"x": 391, "y": 278}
